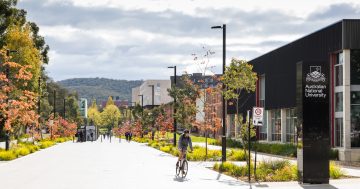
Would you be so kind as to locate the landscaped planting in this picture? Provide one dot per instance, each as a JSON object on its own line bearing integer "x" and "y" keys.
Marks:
{"x": 25, "y": 148}
{"x": 274, "y": 171}
{"x": 199, "y": 153}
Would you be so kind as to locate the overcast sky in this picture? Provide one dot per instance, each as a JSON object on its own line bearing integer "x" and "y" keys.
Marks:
{"x": 138, "y": 39}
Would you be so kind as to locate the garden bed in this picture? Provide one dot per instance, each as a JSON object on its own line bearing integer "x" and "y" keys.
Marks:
{"x": 271, "y": 171}
{"x": 25, "y": 148}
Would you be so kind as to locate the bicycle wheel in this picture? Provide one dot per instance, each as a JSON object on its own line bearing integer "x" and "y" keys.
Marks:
{"x": 184, "y": 169}
{"x": 178, "y": 169}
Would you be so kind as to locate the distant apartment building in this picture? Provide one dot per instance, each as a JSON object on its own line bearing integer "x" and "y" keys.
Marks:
{"x": 161, "y": 95}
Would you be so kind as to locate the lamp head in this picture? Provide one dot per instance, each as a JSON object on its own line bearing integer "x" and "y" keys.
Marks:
{"x": 216, "y": 27}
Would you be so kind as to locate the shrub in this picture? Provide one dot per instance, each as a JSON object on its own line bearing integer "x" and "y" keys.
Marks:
{"x": 231, "y": 143}
{"x": 166, "y": 149}
{"x": 237, "y": 155}
{"x": 335, "y": 171}
{"x": 22, "y": 151}
{"x": 46, "y": 144}
{"x": 277, "y": 149}
{"x": 7, "y": 155}
{"x": 287, "y": 173}
{"x": 226, "y": 167}
{"x": 334, "y": 154}
{"x": 60, "y": 140}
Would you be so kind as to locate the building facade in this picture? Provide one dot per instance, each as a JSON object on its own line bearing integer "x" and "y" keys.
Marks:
{"x": 337, "y": 45}
{"x": 161, "y": 95}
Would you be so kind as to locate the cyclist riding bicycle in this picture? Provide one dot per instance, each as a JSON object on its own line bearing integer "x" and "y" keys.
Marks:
{"x": 184, "y": 142}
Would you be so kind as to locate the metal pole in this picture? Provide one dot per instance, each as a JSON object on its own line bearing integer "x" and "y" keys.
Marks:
{"x": 223, "y": 99}
{"x": 39, "y": 106}
{"x": 249, "y": 158}
{"x": 175, "y": 121}
{"x": 7, "y": 134}
{"x": 152, "y": 106}
{"x": 64, "y": 110}
{"x": 54, "y": 111}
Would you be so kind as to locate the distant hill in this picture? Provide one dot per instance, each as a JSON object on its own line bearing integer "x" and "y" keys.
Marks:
{"x": 101, "y": 88}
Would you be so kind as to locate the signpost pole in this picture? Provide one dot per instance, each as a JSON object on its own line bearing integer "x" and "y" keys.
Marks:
{"x": 258, "y": 119}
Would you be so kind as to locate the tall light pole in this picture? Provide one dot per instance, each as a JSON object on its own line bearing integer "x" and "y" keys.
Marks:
{"x": 223, "y": 138}
{"x": 64, "y": 110}
{"x": 142, "y": 105}
{"x": 152, "y": 106}
{"x": 175, "y": 123}
{"x": 54, "y": 111}
{"x": 39, "y": 104}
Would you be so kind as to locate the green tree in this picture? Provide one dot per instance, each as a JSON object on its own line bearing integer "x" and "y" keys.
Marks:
{"x": 239, "y": 77}
{"x": 94, "y": 114}
{"x": 110, "y": 116}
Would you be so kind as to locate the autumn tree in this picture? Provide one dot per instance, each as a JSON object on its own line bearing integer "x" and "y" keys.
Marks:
{"x": 186, "y": 96}
{"x": 19, "y": 38}
{"x": 110, "y": 116}
{"x": 17, "y": 105}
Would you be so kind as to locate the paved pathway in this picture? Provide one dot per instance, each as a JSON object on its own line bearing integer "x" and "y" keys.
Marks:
{"x": 96, "y": 165}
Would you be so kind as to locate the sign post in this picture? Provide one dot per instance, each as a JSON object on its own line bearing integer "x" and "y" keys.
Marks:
{"x": 258, "y": 120}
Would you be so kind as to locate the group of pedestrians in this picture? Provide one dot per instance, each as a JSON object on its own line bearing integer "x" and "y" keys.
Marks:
{"x": 128, "y": 136}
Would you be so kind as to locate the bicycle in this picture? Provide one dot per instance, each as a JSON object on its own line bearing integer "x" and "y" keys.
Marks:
{"x": 182, "y": 167}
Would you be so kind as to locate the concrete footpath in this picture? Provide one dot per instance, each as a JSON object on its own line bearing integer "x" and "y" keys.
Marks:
{"x": 97, "y": 165}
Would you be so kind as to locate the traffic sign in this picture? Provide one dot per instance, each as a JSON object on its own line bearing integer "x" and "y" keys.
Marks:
{"x": 258, "y": 116}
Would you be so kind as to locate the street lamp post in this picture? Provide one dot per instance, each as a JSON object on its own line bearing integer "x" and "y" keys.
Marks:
{"x": 175, "y": 122}
{"x": 223, "y": 138}
{"x": 54, "y": 111}
{"x": 142, "y": 110}
{"x": 64, "y": 110}
{"x": 39, "y": 104}
{"x": 142, "y": 105}
{"x": 152, "y": 106}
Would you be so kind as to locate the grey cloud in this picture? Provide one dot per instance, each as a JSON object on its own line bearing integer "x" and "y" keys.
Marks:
{"x": 336, "y": 11}
{"x": 90, "y": 56}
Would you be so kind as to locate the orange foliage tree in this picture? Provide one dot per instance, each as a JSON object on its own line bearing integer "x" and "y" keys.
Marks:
{"x": 60, "y": 127}
{"x": 17, "y": 105}
{"x": 165, "y": 125}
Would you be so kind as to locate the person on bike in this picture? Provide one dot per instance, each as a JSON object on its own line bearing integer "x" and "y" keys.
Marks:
{"x": 184, "y": 142}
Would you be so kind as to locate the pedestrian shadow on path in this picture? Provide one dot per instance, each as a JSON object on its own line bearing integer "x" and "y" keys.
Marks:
{"x": 179, "y": 179}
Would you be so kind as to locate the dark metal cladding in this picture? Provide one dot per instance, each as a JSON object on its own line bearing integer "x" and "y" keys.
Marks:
{"x": 351, "y": 34}
{"x": 279, "y": 65}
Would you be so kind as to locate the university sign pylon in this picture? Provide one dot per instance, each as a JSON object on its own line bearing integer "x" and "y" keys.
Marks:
{"x": 312, "y": 100}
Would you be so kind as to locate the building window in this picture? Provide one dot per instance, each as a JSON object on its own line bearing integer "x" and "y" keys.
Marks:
{"x": 355, "y": 67}
{"x": 291, "y": 119}
{"x": 276, "y": 125}
{"x": 355, "y": 119}
{"x": 263, "y": 129}
{"x": 339, "y": 132}
{"x": 262, "y": 91}
{"x": 339, "y": 70}
{"x": 339, "y": 102}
